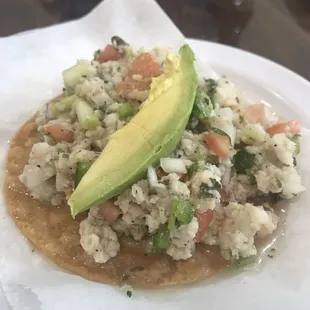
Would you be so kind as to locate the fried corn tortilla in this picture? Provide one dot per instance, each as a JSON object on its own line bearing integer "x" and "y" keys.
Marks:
{"x": 55, "y": 233}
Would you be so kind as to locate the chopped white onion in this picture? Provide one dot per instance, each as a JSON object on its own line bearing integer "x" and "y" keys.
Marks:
{"x": 226, "y": 113}
{"x": 152, "y": 176}
{"x": 187, "y": 162}
{"x": 170, "y": 165}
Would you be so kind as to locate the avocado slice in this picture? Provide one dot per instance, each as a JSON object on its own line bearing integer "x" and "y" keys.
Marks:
{"x": 151, "y": 134}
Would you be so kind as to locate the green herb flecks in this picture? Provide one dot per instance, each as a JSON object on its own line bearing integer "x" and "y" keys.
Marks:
{"x": 210, "y": 87}
{"x": 202, "y": 107}
{"x": 205, "y": 191}
{"x": 193, "y": 169}
{"x": 243, "y": 161}
{"x": 272, "y": 253}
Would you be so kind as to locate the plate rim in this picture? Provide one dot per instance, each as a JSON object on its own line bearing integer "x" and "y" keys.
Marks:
{"x": 248, "y": 54}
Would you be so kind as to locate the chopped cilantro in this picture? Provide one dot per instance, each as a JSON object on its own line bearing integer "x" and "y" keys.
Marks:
{"x": 202, "y": 107}
{"x": 97, "y": 53}
{"x": 243, "y": 161}
{"x": 204, "y": 190}
{"x": 193, "y": 169}
{"x": 129, "y": 293}
{"x": 210, "y": 87}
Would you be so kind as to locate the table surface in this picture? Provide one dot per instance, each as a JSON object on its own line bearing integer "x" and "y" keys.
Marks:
{"x": 276, "y": 29}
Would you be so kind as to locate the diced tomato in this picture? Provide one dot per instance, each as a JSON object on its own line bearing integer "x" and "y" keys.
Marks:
{"x": 292, "y": 127}
{"x": 126, "y": 87}
{"x": 218, "y": 144}
{"x": 255, "y": 113}
{"x": 204, "y": 219}
{"x": 59, "y": 132}
{"x": 110, "y": 53}
{"x": 109, "y": 211}
{"x": 146, "y": 65}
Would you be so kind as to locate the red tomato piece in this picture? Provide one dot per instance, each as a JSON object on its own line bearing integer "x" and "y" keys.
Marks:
{"x": 59, "y": 132}
{"x": 204, "y": 219}
{"x": 218, "y": 144}
{"x": 292, "y": 127}
{"x": 110, "y": 53}
{"x": 146, "y": 65}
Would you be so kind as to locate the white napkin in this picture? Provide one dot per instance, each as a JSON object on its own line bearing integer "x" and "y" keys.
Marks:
{"x": 30, "y": 73}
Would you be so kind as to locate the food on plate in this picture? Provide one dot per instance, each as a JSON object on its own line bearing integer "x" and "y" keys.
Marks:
{"x": 143, "y": 173}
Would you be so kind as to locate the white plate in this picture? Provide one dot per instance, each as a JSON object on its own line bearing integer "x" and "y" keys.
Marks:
{"x": 283, "y": 283}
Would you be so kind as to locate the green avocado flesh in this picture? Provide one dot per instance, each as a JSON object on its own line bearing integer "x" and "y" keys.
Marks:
{"x": 151, "y": 134}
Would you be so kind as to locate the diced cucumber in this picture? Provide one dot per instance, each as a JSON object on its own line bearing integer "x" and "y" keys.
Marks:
{"x": 126, "y": 109}
{"x": 243, "y": 161}
{"x": 161, "y": 239}
{"x": 86, "y": 115}
{"x": 204, "y": 190}
{"x": 73, "y": 74}
{"x": 81, "y": 169}
{"x": 63, "y": 106}
{"x": 171, "y": 221}
{"x": 246, "y": 262}
{"x": 182, "y": 210}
